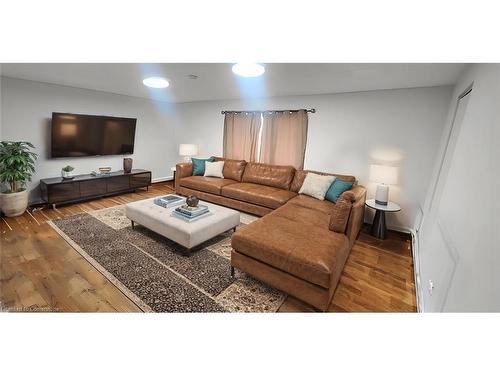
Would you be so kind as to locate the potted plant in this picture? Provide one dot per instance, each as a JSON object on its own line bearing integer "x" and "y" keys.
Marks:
{"x": 66, "y": 171}
{"x": 17, "y": 164}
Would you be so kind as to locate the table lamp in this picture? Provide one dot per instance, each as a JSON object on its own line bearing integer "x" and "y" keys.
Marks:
{"x": 384, "y": 175}
{"x": 187, "y": 150}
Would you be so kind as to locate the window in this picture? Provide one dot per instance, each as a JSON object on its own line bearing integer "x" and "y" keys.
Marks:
{"x": 274, "y": 137}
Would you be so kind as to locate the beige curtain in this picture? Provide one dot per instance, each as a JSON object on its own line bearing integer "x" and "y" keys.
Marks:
{"x": 284, "y": 137}
{"x": 241, "y": 133}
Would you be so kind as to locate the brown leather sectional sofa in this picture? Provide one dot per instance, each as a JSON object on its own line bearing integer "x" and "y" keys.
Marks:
{"x": 301, "y": 244}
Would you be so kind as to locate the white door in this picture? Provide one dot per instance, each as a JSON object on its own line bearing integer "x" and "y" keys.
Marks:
{"x": 437, "y": 241}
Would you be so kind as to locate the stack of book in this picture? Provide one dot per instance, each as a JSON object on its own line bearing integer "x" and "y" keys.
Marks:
{"x": 100, "y": 174}
{"x": 168, "y": 200}
{"x": 188, "y": 213}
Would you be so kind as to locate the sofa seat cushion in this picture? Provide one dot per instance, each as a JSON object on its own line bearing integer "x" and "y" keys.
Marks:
{"x": 261, "y": 195}
{"x": 207, "y": 184}
{"x": 305, "y": 251}
{"x": 304, "y": 215}
{"x": 313, "y": 203}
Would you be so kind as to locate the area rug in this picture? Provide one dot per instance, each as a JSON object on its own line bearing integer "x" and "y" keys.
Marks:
{"x": 157, "y": 275}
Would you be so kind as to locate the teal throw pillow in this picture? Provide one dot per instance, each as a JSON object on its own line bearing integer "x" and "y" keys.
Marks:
{"x": 336, "y": 189}
{"x": 199, "y": 165}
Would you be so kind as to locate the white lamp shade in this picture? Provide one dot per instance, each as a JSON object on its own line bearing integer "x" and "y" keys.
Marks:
{"x": 186, "y": 149}
{"x": 384, "y": 174}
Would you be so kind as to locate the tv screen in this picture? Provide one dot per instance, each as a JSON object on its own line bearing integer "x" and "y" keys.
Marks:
{"x": 86, "y": 135}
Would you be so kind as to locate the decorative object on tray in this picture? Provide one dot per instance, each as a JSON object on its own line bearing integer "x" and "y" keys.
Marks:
{"x": 67, "y": 172}
{"x": 189, "y": 213}
{"x": 127, "y": 165}
{"x": 192, "y": 201}
{"x": 168, "y": 200}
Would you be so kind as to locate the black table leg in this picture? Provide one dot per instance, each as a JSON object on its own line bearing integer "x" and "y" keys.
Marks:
{"x": 379, "y": 229}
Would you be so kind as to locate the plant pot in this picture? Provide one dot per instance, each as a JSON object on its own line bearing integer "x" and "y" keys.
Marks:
{"x": 14, "y": 204}
{"x": 65, "y": 174}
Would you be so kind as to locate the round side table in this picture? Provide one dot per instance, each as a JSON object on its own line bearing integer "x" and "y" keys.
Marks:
{"x": 379, "y": 228}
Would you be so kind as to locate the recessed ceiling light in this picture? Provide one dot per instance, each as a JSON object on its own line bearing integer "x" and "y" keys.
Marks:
{"x": 248, "y": 69}
{"x": 156, "y": 82}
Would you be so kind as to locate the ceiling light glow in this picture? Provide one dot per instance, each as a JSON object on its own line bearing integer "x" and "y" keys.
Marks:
{"x": 156, "y": 82}
{"x": 248, "y": 69}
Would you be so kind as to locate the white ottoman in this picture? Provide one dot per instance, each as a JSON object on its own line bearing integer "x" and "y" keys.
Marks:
{"x": 187, "y": 234}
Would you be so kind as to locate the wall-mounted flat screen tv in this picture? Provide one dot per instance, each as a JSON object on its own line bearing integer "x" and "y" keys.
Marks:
{"x": 86, "y": 135}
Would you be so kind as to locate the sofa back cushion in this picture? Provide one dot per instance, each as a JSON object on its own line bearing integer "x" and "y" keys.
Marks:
{"x": 233, "y": 169}
{"x": 199, "y": 165}
{"x": 336, "y": 189}
{"x": 300, "y": 176}
{"x": 278, "y": 176}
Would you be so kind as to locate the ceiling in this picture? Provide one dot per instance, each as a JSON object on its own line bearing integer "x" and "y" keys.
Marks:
{"x": 216, "y": 81}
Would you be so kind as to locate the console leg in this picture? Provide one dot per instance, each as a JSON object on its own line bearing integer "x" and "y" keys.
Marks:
{"x": 234, "y": 229}
{"x": 232, "y": 271}
{"x": 133, "y": 225}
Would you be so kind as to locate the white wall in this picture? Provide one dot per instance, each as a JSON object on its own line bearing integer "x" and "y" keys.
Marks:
{"x": 459, "y": 242}
{"x": 347, "y": 133}
{"x": 26, "y": 110}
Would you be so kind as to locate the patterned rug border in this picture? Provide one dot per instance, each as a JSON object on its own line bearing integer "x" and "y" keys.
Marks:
{"x": 112, "y": 279}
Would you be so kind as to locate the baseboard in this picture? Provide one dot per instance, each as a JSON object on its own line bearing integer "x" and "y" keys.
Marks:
{"x": 416, "y": 271}
{"x": 393, "y": 228}
{"x": 162, "y": 179}
{"x": 399, "y": 229}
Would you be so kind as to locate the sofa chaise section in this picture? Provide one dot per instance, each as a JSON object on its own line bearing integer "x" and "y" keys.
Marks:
{"x": 294, "y": 249}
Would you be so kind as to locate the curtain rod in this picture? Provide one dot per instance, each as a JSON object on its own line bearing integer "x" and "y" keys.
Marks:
{"x": 312, "y": 110}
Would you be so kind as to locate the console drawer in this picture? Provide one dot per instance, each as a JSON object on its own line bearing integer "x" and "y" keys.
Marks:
{"x": 93, "y": 187}
{"x": 140, "y": 180}
{"x": 64, "y": 192}
{"x": 118, "y": 183}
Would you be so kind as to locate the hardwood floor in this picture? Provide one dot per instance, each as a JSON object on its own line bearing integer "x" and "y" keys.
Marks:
{"x": 39, "y": 271}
